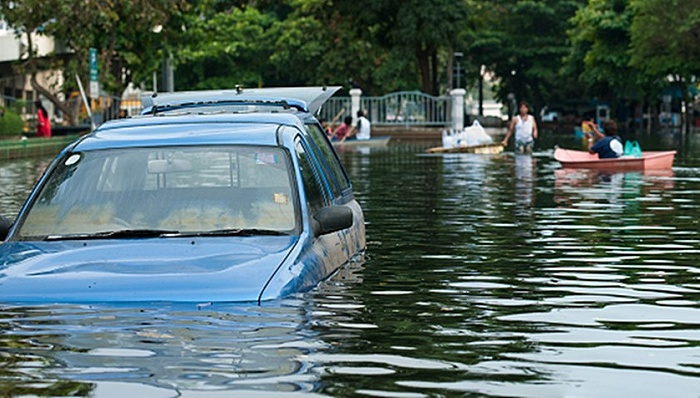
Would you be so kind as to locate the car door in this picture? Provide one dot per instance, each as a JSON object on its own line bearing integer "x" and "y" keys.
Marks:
{"x": 338, "y": 184}
{"x": 327, "y": 251}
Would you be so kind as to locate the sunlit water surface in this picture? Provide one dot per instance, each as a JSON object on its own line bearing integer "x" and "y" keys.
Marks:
{"x": 485, "y": 275}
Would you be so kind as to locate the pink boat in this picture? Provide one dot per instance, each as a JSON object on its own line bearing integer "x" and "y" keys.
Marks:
{"x": 650, "y": 160}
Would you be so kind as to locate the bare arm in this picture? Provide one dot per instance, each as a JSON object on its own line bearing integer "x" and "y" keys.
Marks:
{"x": 353, "y": 131}
{"x": 596, "y": 131}
{"x": 510, "y": 131}
{"x": 592, "y": 137}
{"x": 335, "y": 119}
{"x": 534, "y": 127}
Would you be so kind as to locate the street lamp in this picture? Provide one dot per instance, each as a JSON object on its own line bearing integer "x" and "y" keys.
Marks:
{"x": 458, "y": 67}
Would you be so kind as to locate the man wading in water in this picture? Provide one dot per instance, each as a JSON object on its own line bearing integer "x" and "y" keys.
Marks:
{"x": 525, "y": 130}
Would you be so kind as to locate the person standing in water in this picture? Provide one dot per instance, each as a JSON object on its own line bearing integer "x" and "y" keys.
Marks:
{"x": 525, "y": 128}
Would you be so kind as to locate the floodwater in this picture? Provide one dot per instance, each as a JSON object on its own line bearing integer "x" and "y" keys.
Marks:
{"x": 502, "y": 276}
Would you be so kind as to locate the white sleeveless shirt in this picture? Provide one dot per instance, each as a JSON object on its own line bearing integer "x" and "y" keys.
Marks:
{"x": 524, "y": 128}
{"x": 364, "y": 128}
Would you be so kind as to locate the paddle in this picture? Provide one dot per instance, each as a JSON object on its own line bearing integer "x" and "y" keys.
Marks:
{"x": 335, "y": 119}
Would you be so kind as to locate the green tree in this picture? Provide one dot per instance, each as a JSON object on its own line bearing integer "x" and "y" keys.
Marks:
{"x": 600, "y": 56}
{"x": 121, "y": 30}
{"x": 523, "y": 43}
{"x": 317, "y": 44}
{"x": 411, "y": 34}
{"x": 223, "y": 45}
{"x": 667, "y": 53}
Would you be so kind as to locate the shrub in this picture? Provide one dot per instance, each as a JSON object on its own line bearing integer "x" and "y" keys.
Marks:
{"x": 11, "y": 124}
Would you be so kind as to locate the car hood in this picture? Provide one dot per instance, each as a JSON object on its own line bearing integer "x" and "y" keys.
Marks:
{"x": 165, "y": 269}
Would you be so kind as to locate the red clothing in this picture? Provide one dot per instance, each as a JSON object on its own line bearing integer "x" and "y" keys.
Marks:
{"x": 43, "y": 125}
{"x": 342, "y": 131}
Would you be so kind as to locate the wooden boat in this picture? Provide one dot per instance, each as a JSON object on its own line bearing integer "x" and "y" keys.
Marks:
{"x": 378, "y": 141}
{"x": 650, "y": 160}
{"x": 485, "y": 149}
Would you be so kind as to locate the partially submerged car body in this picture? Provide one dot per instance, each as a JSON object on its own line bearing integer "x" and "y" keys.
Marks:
{"x": 198, "y": 208}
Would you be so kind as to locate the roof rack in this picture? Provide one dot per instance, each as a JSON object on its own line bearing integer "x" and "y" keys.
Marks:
{"x": 303, "y": 99}
{"x": 246, "y": 105}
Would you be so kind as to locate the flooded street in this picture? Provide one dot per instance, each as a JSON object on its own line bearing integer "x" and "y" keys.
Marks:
{"x": 491, "y": 275}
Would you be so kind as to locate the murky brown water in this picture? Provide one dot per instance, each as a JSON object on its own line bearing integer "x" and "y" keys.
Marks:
{"x": 485, "y": 275}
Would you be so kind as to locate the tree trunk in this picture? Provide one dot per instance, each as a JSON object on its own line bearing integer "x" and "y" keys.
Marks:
{"x": 434, "y": 72}
{"x": 31, "y": 63}
{"x": 69, "y": 112}
{"x": 424, "y": 64}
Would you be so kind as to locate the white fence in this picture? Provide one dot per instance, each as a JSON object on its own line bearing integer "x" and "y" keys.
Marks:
{"x": 405, "y": 108}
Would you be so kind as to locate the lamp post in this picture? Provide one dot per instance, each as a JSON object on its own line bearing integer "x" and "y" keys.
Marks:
{"x": 458, "y": 68}
{"x": 482, "y": 70}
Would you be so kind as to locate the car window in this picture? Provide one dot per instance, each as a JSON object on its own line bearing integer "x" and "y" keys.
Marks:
{"x": 184, "y": 189}
{"x": 315, "y": 197}
{"x": 331, "y": 162}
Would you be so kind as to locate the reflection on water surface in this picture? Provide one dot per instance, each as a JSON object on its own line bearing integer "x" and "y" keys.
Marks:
{"x": 488, "y": 275}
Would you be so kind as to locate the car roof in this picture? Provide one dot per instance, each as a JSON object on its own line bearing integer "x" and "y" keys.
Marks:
{"x": 303, "y": 99}
{"x": 210, "y": 129}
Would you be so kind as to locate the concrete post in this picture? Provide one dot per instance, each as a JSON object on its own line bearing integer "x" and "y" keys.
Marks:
{"x": 458, "y": 108}
{"x": 355, "y": 95}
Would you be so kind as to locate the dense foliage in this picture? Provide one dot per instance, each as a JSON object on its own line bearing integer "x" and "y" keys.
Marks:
{"x": 11, "y": 124}
{"x": 544, "y": 51}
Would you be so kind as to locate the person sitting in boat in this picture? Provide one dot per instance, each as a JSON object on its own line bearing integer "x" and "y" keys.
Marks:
{"x": 340, "y": 133}
{"x": 362, "y": 130}
{"x": 525, "y": 130}
{"x": 326, "y": 127}
{"x": 364, "y": 127}
{"x": 608, "y": 145}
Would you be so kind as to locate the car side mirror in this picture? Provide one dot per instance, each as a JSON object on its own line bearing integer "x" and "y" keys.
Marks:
{"x": 5, "y": 225}
{"x": 332, "y": 218}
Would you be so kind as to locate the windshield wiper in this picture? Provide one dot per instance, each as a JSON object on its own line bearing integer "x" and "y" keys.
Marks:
{"x": 122, "y": 233}
{"x": 235, "y": 232}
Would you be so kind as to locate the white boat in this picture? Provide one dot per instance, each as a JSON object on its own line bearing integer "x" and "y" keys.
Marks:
{"x": 485, "y": 149}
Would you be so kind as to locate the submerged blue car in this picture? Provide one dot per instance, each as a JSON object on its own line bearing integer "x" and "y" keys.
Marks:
{"x": 242, "y": 203}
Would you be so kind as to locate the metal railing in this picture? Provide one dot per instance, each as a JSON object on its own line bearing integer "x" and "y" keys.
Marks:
{"x": 404, "y": 108}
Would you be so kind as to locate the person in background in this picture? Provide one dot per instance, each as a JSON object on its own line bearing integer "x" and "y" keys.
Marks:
{"x": 525, "y": 128}
{"x": 608, "y": 145}
{"x": 43, "y": 123}
{"x": 343, "y": 130}
{"x": 326, "y": 127}
{"x": 586, "y": 127}
{"x": 362, "y": 131}
{"x": 364, "y": 127}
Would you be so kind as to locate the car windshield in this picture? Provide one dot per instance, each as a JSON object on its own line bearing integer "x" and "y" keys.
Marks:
{"x": 165, "y": 191}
